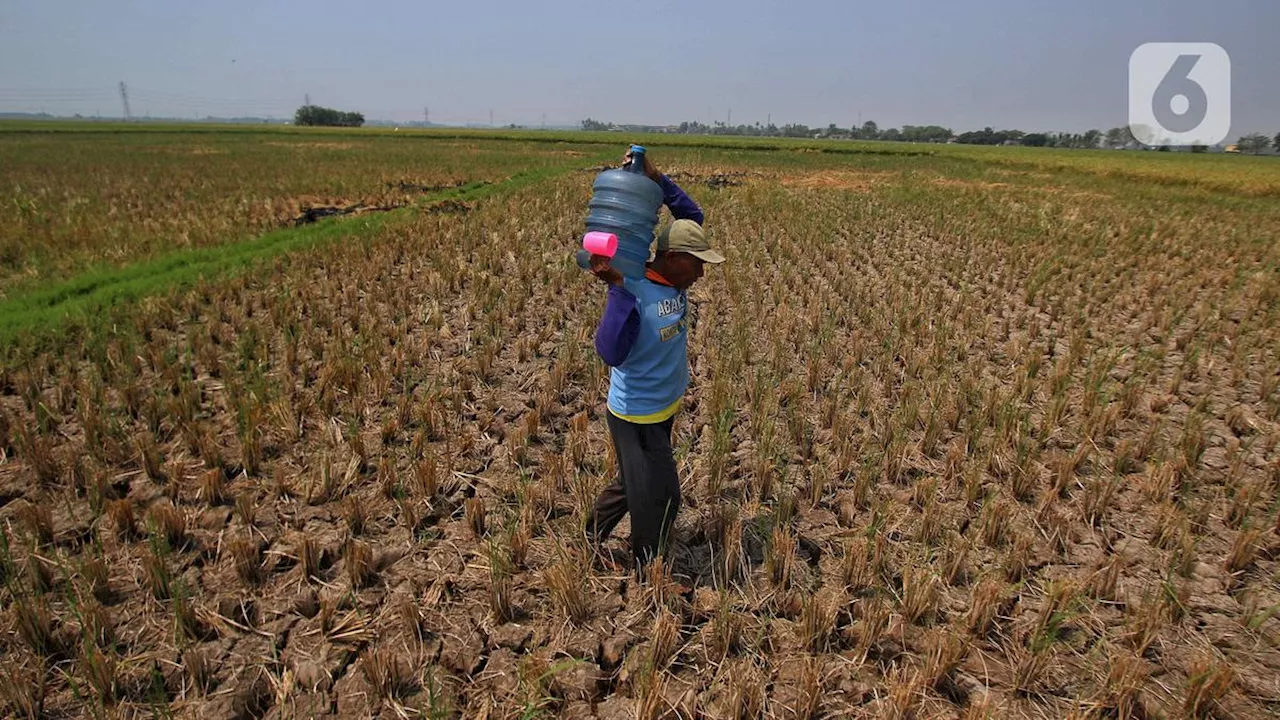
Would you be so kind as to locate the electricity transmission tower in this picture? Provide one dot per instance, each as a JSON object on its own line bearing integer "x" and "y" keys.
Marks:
{"x": 124, "y": 98}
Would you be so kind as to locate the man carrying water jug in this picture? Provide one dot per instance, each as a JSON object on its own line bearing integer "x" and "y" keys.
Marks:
{"x": 643, "y": 335}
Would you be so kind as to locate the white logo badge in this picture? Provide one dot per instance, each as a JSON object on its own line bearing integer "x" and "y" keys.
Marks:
{"x": 1180, "y": 94}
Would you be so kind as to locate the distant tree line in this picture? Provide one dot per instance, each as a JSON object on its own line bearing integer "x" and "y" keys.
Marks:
{"x": 1256, "y": 143}
{"x": 1115, "y": 138}
{"x": 326, "y": 117}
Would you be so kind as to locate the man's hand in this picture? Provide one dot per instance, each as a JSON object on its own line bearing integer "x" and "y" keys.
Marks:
{"x": 650, "y": 169}
{"x": 601, "y": 268}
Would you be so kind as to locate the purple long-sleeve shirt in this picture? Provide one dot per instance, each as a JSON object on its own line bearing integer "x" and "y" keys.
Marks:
{"x": 620, "y": 323}
{"x": 682, "y": 206}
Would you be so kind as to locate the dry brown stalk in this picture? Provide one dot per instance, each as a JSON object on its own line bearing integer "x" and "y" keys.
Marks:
{"x": 974, "y": 487}
{"x": 1124, "y": 460}
{"x": 1099, "y": 495}
{"x": 996, "y": 516}
{"x": 920, "y": 594}
{"x": 356, "y": 513}
{"x": 1029, "y": 669}
{"x": 169, "y": 523}
{"x": 954, "y": 467}
{"x": 309, "y": 555}
{"x": 500, "y": 596}
{"x": 199, "y": 670}
{"x": 980, "y": 709}
{"x": 1208, "y": 682}
{"x": 930, "y": 528}
{"x": 1019, "y": 557}
{"x": 1102, "y": 582}
{"x": 475, "y": 514}
{"x": 38, "y": 520}
{"x": 810, "y": 691}
{"x": 247, "y": 556}
{"x": 388, "y": 674}
{"x": 906, "y": 689}
{"x": 984, "y": 605}
{"x": 924, "y": 493}
{"x": 38, "y": 451}
{"x": 565, "y": 581}
{"x": 1170, "y": 526}
{"x": 665, "y": 639}
{"x": 726, "y": 628}
{"x": 1121, "y": 694}
{"x": 149, "y": 457}
{"x": 1242, "y": 502}
{"x": 1244, "y": 549}
{"x": 207, "y": 447}
{"x": 213, "y": 487}
{"x": 185, "y": 617}
{"x": 955, "y": 569}
{"x": 247, "y": 507}
{"x": 389, "y": 481}
{"x": 855, "y": 568}
{"x": 35, "y": 625}
{"x": 359, "y": 563}
{"x": 1068, "y": 466}
{"x": 156, "y": 574}
{"x": 94, "y": 572}
{"x": 944, "y": 652}
{"x": 818, "y": 621}
{"x": 281, "y": 486}
{"x": 1185, "y": 556}
{"x": 652, "y": 696}
{"x": 99, "y": 670}
{"x": 731, "y": 548}
{"x": 779, "y": 557}
{"x": 746, "y": 694}
{"x": 872, "y": 624}
{"x": 123, "y": 518}
{"x": 411, "y": 619}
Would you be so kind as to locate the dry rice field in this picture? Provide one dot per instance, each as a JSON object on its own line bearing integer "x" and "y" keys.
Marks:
{"x": 971, "y": 433}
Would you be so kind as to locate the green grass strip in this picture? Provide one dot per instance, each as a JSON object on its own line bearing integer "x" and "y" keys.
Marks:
{"x": 47, "y": 308}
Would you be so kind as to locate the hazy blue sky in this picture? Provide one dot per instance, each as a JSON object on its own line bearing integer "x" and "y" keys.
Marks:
{"x": 1031, "y": 64}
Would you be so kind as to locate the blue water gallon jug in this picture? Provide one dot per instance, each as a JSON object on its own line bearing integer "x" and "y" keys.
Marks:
{"x": 625, "y": 202}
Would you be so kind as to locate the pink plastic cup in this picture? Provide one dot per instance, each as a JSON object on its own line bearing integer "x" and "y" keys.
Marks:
{"x": 600, "y": 243}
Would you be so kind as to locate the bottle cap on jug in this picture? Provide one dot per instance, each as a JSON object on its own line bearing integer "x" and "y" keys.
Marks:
{"x": 600, "y": 243}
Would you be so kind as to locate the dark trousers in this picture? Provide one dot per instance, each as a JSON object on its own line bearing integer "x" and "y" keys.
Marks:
{"x": 647, "y": 487}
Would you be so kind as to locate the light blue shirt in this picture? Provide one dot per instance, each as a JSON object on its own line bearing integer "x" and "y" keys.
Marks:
{"x": 655, "y": 373}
